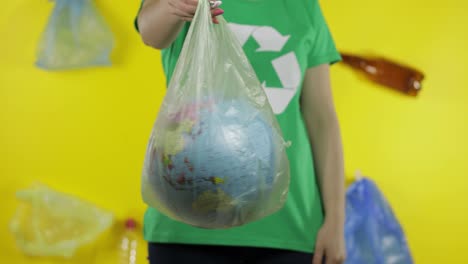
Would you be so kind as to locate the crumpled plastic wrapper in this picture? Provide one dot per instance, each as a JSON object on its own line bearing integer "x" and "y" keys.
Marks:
{"x": 48, "y": 223}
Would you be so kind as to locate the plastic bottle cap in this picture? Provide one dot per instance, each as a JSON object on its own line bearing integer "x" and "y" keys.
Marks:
{"x": 130, "y": 223}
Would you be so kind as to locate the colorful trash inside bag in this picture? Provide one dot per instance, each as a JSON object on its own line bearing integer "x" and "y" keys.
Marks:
{"x": 52, "y": 224}
{"x": 216, "y": 157}
{"x": 76, "y": 36}
{"x": 373, "y": 234}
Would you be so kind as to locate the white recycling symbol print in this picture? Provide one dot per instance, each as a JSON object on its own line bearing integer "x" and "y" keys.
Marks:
{"x": 286, "y": 66}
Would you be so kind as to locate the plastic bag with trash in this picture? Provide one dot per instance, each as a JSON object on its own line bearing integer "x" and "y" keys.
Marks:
{"x": 48, "y": 223}
{"x": 216, "y": 157}
{"x": 76, "y": 36}
{"x": 373, "y": 233}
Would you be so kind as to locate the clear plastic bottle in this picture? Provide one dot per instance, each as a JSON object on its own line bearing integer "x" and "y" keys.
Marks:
{"x": 128, "y": 243}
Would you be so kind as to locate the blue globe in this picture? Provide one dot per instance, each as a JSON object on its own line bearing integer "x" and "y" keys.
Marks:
{"x": 214, "y": 165}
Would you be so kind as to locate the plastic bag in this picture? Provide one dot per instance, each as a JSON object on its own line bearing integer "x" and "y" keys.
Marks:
{"x": 373, "y": 234}
{"x": 52, "y": 224}
{"x": 76, "y": 36}
{"x": 216, "y": 157}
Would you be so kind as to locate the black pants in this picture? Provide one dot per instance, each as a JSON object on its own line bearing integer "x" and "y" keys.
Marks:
{"x": 200, "y": 254}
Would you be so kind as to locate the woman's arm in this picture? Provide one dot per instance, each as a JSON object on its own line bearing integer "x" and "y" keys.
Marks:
{"x": 158, "y": 24}
{"x": 324, "y": 133}
{"x": 160, "y": 21}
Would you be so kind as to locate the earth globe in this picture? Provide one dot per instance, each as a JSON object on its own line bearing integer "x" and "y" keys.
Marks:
{"x": 214, "y": 165}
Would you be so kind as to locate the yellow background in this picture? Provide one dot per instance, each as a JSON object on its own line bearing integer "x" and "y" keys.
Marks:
{"x": 85, "y": 132}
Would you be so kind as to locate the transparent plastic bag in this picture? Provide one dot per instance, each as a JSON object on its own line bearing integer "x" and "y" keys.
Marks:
{"x": 76, "y": 36}
{"x": 216, "y": 157}
{"x": 52, "y": 224}
{"x": 373, "y": 234}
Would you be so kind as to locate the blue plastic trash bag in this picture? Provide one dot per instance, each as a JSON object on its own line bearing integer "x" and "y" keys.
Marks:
{"x": 373, "y": 234}
{"x": 76, "y": 36}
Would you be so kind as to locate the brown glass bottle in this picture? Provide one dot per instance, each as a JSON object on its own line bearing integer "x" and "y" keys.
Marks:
{"x": 388, "y": 73}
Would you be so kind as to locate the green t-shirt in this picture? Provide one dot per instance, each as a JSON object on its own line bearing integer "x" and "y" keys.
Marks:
{"x": 282, "y": 39}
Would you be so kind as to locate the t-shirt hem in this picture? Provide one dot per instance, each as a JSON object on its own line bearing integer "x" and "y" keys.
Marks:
{"x": 330, "y": 58}
{"x": 231, "y": 241}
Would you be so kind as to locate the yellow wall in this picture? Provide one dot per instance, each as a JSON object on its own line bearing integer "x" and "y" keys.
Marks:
{"x": 85, "y": 132}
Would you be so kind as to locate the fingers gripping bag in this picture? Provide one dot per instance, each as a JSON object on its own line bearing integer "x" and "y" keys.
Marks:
{"x": 76, "y": 36}
{"x": 216, "y": 157}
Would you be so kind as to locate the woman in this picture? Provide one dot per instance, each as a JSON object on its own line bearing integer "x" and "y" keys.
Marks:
{"x": 290, "y": 47}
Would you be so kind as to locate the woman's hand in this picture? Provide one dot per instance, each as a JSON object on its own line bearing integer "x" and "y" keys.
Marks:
{"x": 330, "y": 244}
{"x": 160, "y": 21}
{"x": 185, "y": 9}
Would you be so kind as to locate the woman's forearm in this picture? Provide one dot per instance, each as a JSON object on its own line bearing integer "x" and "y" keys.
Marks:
{"x": 324, "y": 133}
{"x": 328, "y": 155}
{"x": 158, "y": 26}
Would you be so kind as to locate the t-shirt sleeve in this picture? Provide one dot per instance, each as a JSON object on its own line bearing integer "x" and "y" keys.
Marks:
{"x": 323, "y": 49}
{"x": 135, "y": 22}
